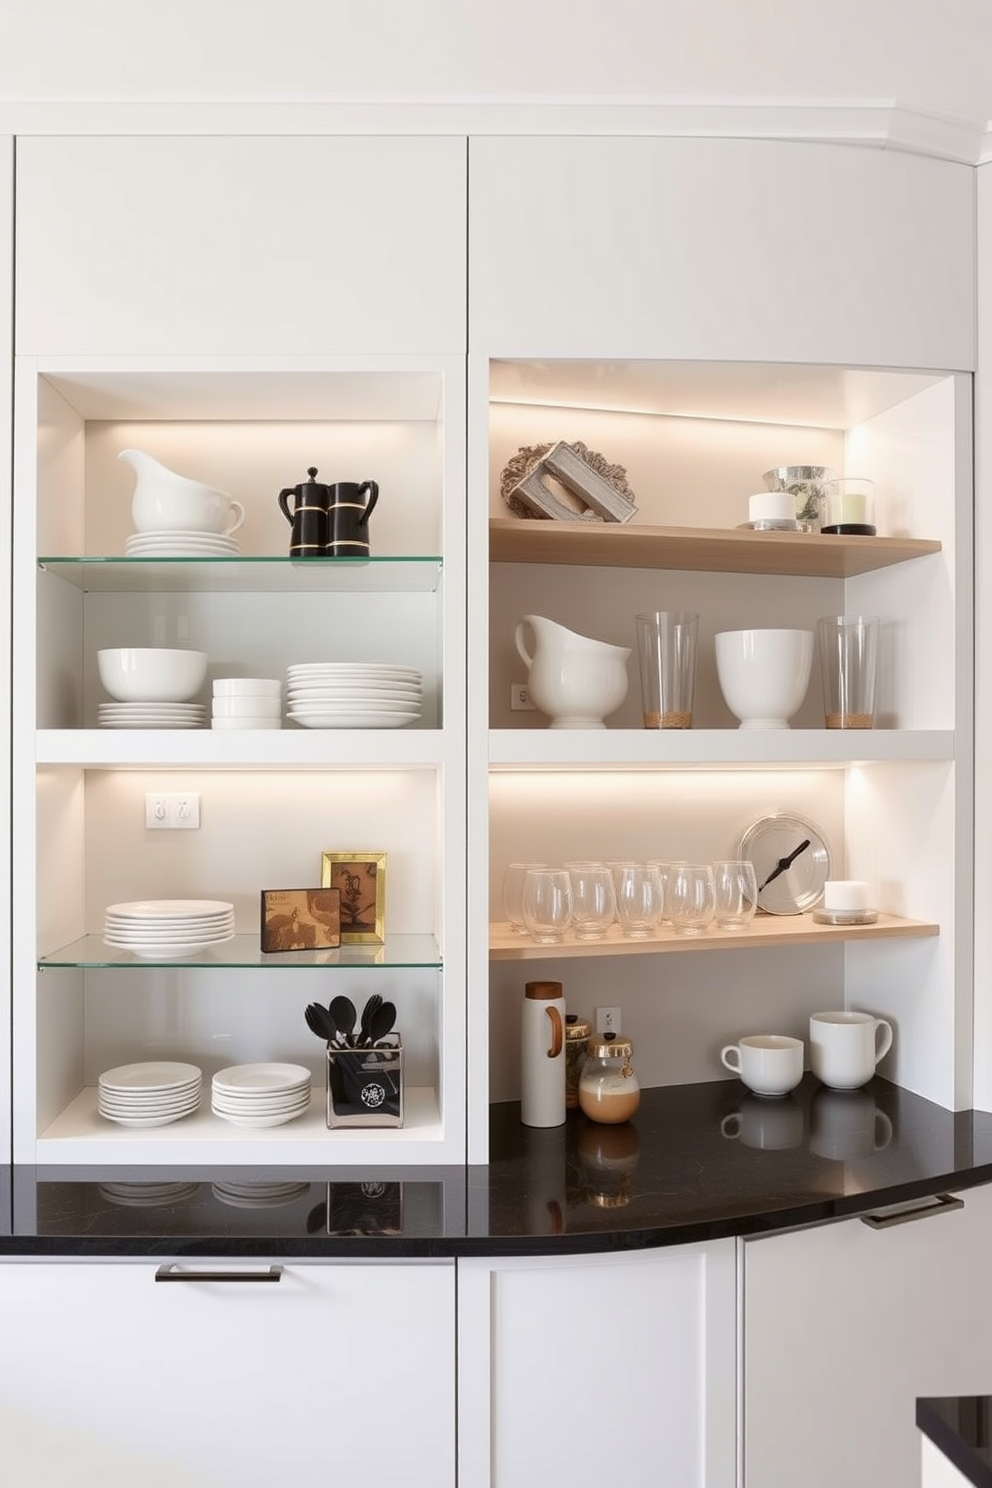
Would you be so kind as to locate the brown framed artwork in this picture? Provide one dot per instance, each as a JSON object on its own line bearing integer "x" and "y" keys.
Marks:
{"x": 300, "y": 919}
{"x": 360, "y": 878}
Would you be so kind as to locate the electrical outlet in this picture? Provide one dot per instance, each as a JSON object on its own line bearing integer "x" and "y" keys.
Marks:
{"x": 607, "y": 1020}
{"x": 520, "y": 698}
{"x": 172, "y": 810}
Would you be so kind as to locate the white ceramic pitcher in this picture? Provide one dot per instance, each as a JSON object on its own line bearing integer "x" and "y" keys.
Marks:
{"x": 575, "y": 680}
{"x": 166, "y": 502}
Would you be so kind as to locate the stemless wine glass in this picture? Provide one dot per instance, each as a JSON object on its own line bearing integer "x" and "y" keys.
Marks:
{"x": 513, "y": 894}
{"x": 547, "y": 904}
{"x": 736, "y": 893}
{"x": 691, "y": 898}
{"x": 594, "y": 904}
{"x": 665, "y": 869}
{"x": 639, "y": 897}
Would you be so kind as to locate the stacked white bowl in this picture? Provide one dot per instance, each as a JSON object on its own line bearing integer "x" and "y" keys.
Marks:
{"x": 247, "y": 703}
{"x": 151, "y": 687}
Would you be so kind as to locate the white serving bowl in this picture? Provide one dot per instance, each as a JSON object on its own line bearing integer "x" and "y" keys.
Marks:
{"x": 246, "y": 707}
{"x": 269, "y": 687}
{"x": 246, "y": 723}
{"x": 151, "y": 674}
{"x": 764, "y": 674}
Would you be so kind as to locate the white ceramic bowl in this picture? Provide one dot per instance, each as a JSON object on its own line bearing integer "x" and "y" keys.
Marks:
{"x": 246, "y": 707}
{"x": 764, "y": 674}
{"x": 269, "y": 687}
{"x": 151, "y": 674}
{"x": 246, "y": 723}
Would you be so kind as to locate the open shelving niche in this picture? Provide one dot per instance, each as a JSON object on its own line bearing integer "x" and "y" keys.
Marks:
{"x": 695, "y": 439}
{"x": 273, "y": 801}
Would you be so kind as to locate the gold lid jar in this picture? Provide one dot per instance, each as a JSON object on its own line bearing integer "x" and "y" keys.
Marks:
{"x": 609, "y": 1090}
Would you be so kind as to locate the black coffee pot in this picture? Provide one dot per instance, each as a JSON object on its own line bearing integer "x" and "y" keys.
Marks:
{"x": 308, "y": 519}
{"x": 329, "y": 521}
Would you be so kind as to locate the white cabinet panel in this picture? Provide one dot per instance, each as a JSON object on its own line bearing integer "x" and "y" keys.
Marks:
{"x": 598, "y": 1369}
{"x": 280, "y": 245}
{"x": 107, "y": 1377}
{"x": 844, "y": 1327}
{"x": 727, "y": 249}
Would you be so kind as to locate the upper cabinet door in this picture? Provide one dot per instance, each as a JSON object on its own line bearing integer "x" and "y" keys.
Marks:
{"x": 280, "y": 245}
{"x": 722, "y": 249}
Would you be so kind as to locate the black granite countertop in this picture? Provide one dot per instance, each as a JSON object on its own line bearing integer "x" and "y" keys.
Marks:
{"x": 697, "y": 1162}
{"x": 961, "y": 1426}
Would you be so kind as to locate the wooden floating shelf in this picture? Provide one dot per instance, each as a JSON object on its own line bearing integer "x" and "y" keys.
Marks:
{"x": 765, "y": 930}
{"x": 705, "y": 549}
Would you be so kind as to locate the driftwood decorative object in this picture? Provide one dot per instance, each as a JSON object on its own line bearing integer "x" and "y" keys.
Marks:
{"x": 583, "y": 472}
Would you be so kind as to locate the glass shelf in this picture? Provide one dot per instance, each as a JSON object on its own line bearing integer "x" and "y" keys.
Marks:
{"x": 242, "y": 953}
{"x": 114, "y": 574}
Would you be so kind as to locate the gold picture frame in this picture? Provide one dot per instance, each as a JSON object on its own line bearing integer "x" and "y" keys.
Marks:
{"x": 300, "y": 919}
{"x": 361, "y": 879}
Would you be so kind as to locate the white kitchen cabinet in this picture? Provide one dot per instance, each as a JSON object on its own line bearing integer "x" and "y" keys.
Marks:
{"x": 307, "y": 245}
{"x": 576, "y": 1370}
{"x": 719, "y": 249}
{"x": 271, "y": 802}
{"x": 6, "y": 391}
{"x": 270, "y": 1375}
{"x": 844, "y": 1327}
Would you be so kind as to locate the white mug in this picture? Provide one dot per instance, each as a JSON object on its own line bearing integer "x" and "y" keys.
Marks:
{"x": 846, "y": 1047}
{"x": 768, "y": 1063}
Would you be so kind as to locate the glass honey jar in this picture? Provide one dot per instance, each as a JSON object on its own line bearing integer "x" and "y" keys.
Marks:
{"x": 609, "y": 1090}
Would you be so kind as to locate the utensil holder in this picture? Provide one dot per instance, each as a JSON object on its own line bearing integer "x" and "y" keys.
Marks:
{"x": 365, "y": 1086}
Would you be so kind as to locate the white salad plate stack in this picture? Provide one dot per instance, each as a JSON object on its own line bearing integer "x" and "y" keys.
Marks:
{"x": 151, "y": 715}
{"x": 260, "y": 1094}
{"x": 353, "y": 694}
{"x": 161, "y": 929}
{"x": 181, "y": 545}
{"x": 154, "y": 1093}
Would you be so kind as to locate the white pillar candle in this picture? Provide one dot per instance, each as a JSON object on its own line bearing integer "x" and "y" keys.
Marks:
{"x": 848, "y": 509}
{"x": 845, "y": 896}
{"x": 772, "y": 506}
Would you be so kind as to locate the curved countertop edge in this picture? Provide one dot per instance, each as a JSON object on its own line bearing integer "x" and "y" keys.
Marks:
{"x": 958, "y": 1425}
{"x": 552, "y": 1192}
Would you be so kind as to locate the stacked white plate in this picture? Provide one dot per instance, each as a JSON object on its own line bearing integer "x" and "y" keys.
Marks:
{"x": 181, "y": 545}
{"x": 260, "y": 1094}
{"x": 151, "y": 715}
{"x": 161, "y": 929}
{"x": 246, "y": 703}
{"x": 353, "y": 694}
{"x": 154, "y": 1093}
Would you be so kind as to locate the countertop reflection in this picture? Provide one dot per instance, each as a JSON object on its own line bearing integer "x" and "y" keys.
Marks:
{"x": 696, "y": 1162}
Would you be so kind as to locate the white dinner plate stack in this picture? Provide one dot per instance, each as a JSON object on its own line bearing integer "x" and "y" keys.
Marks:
{"x": 161, "y": 929}
{"x": 260, "y": 1094}
{"x": 154, "y": 1093}
{"x": 353, "y": 694}
{"x": 151, "y": 715}
{"x": 181, "y": 545}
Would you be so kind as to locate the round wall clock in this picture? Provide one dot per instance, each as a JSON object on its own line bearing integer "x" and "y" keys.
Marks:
{"x": 791, "y": 861}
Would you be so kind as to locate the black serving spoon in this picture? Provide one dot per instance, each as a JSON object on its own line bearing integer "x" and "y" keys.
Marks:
{"x": 380, "y": 1024}
{"x": 369, "y": 1011}
{"x": 342, "y": 1011}
{"x": 320, "y": 1022}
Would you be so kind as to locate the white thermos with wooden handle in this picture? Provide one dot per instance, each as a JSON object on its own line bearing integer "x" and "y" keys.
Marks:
{"x": 542, "y": 1055}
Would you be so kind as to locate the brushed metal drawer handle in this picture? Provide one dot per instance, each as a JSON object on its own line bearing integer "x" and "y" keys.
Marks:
{"x": 942, "y": 1203}
{"x": 173, "y": 1273}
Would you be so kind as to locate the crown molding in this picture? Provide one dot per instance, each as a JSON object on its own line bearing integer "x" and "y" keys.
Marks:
{"x": 875, "y": 123}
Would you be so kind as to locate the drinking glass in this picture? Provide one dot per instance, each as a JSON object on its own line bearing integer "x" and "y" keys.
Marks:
{"x": 513, "y": 893}
{"x": 691, "y": 898}
{"x": 665, "y": 868}
{"x": 736, "y": 893}
{"x": 594, "y": 904}
{"x": 547, "y": 904}
{"x": 639, "y": 898}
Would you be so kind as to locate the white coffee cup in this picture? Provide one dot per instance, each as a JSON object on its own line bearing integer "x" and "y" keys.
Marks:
{"x": 768, "y": 1063}
{"x": 847, "y": 1124}
{"x": 845, "y": 1047}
